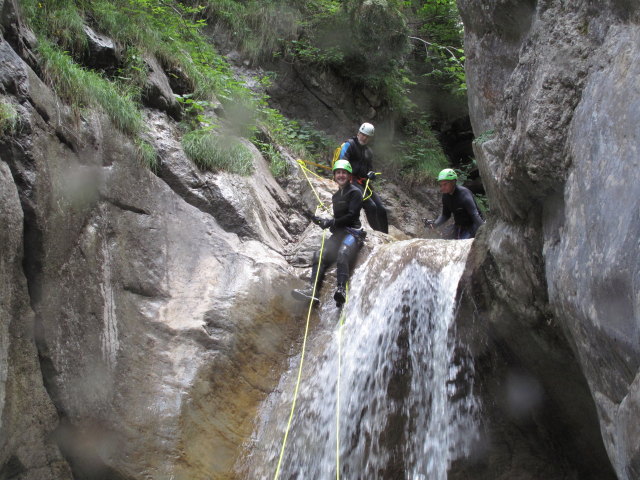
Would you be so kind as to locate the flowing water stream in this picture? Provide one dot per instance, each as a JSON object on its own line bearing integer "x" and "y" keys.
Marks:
{"x": 403, "y": 387}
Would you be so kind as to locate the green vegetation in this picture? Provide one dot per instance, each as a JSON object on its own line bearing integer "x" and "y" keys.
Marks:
{"x": 278, "y": 165}
{"x": 365, "y": 40}
{"x": 439, "y": 40}
{"x": 419, "y": 158}
{"x": 8, "y": 117}
{"x": 484, "y": 137}
{"x": 146, "y": 154}
{"x": 372, "y": 44}
{"x": 303, "y": 140}
{"x": 83, "y": 87}
{"x": 170, "y": 31}
{"x": 211, "y": 151}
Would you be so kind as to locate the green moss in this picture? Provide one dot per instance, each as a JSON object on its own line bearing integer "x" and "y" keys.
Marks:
{"x": 484, "y": 137}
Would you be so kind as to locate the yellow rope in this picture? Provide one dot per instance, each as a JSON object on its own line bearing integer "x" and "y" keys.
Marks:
{"x": 315, "y": 164}
{"x": 304, "y": 344}
{"x": 304, "y": 171}
{"x": 341, "y": 324}
{"x": 366, "y": 197}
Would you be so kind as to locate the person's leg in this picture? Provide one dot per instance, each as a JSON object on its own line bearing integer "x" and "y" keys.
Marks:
{"x": 370, "y": 211}
{"x": 346, "y": 257}
{"x": 329, "y": 255}
{"x": 374, "y": 210}
{"x": 464, "y": 233}
{"x": 369, "y": 208}
{"x": 382, "y": 222}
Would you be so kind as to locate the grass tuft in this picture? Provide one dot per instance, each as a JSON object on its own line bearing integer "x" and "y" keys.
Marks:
{"x": 146, "y": 154}
{"x": 213, "y": 152}
{"x": 8, "y": 117}
{"x": 85, "y": 88}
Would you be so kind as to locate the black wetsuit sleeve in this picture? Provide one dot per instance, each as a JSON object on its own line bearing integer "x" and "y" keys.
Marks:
{"x": 352, "y": 215}
{"x": 471, "y": 208}
{"x": 445, "y": 215}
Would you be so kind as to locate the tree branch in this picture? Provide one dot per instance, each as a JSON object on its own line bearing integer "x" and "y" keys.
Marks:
{"x": 443, "y": 47}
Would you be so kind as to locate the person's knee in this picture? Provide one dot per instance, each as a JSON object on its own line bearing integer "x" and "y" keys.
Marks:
{"x": 347, "y": 253}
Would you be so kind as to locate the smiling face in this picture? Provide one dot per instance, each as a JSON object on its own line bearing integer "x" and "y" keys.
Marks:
{"x": 362, "y": 138}
{"x": 447, "y": 186}
{"x": 341, "y": 177}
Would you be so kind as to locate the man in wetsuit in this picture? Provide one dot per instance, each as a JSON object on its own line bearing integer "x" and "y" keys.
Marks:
{"x": 459, "y": 201}
{"x": 346, "y": 239}
{"x": 360, "y": 156}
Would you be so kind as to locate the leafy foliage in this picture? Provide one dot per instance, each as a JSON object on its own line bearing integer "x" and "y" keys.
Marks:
{"x": 366, "y": 41}
{"x": 440, "y": 39}
{"x": 278, "y": 165}
{"x": 419, "y": 157}
{"x": 301, "y": 138}
{"x": 484, "y": 137}
{"x": 168, "y": 30}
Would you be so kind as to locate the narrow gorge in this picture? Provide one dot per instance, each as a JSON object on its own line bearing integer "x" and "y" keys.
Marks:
{"x": 147, "y": 329}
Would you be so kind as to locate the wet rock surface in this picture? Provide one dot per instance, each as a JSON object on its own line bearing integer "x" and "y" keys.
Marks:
{"x": 145, "y": 315}
{"x": 549, "y": 291}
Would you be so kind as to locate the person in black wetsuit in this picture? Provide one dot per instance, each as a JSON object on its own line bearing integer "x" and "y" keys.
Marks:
{"x": 346, "y": 239}
{"x": 459, "y": 201}
{"x": 360, "y": 156}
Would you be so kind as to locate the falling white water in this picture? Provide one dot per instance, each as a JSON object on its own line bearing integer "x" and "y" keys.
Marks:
{"x": 406, "y": 408}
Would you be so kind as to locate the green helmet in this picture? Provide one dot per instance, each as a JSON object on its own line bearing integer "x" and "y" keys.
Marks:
{"x": 342, "y": 164}
{"x": 447, "y": 174}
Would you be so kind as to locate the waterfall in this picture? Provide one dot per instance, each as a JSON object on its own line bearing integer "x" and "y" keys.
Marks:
{"x": 406, "y": 404}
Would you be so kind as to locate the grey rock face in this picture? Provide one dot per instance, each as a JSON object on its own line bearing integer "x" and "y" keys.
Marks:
{"x": 158, "y": 332}
{"x": 27, "y": 415}
{"x": 554, "y": 279}
{"x": 157, "y": 92}
{"x": 101, "y": 50}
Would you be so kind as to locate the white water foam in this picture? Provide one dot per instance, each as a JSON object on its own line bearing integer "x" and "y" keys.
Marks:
{"x": 407, "y": 408}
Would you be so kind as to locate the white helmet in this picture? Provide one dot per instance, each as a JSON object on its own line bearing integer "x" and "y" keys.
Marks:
{"x": 367, "y": 129}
